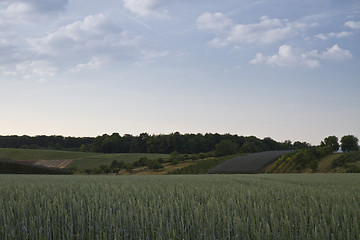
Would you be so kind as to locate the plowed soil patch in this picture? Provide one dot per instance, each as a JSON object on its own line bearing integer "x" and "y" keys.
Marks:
{"x": 54, "y": 163}
{"x": 251, "y": 163}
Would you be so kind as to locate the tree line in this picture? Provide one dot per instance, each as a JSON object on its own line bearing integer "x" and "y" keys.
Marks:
{"x": 146, "y": 143}
{"x": 224, "y": 144}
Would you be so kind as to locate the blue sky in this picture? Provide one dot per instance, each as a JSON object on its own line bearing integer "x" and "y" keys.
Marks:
{"x": 284, "y": 69}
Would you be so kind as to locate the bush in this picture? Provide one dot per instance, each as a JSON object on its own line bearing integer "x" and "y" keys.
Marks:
{"x": 353, "y": 169}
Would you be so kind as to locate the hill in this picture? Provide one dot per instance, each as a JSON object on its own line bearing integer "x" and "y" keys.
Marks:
{"x": 8, "y": 166}
{"x": 332, "y": 163}
{"x": 70, "y": 159}
{"x": 251, "y": 163}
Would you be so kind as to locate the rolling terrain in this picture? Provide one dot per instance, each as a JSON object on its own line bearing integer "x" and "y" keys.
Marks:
{"x": 73, "y": 160}
{"x": 263, "y": 162}
{"x": 251, "y": 163}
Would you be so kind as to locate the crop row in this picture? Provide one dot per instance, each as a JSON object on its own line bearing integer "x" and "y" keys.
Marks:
{"x": 251, "y": 163}
{"x": 180, "y": 207}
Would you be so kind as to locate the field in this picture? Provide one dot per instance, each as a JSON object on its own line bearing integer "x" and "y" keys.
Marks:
{"x": 78, "y": 160}
{"x": 251, "y": 163}
{"x": 307, "y": 206}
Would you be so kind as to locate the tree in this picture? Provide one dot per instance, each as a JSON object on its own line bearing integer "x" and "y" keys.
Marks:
{"x": 175, "y": 157}
{"x": 83, "y": 148}
{"x": 249, "y": 147}
{"x": 349, "y": 143}
{"x": 225, "y": 147}
{"x": 301, "y": 145}
{"x": 129, "y": 167}
{"x": 116, "y": 170}
{"x": 331, "y": 141}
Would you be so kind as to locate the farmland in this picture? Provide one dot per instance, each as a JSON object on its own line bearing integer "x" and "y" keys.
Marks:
{"x": 78, "y": 160}
{"x": 316, "y": 206}
{"x": 251, "y": 163}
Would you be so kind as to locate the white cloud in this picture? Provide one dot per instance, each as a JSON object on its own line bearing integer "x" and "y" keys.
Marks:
{"x": 352, "y": 24}
{"x": 23, "y": 10}
{"x": 94, "y": 63}
{"x": 10, "y": 73}
{"x": 336, "y": 53}
{"x": 94, "y": 34}
{"x": 266, "y": 31}
{"x": 146, "y": 7}
{"x": 321, "y": 36}
{"x": 342, "y": 34}
{"x": 149, "y": 55}
{"x": 288, "y": 56}
{"x": 40, "y": 68}
{"x": 213, "y": 21}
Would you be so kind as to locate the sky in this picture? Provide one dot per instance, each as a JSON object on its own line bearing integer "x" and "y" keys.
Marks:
{"x": 284, "y": 69}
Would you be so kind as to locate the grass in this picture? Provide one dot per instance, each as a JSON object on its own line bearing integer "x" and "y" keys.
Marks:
{"x": 325, "y": 163}
{"x": 95, "y": 160}
{"x": 266, "y": 206}
{"x": 82, "y": 160}
{"x": 324, "y": 166}
{"x": 34, "y": 154}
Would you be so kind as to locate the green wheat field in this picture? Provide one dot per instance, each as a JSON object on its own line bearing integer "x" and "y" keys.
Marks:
{"x": 287, "y": 206}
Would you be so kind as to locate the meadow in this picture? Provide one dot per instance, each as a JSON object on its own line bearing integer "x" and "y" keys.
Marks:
{"x": 265, "y": 206}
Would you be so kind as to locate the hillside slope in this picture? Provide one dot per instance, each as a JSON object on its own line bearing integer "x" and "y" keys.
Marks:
{"x": 251, "y": 163}
{"x": 333, "y": 163}
{"x": 69, "y": 159}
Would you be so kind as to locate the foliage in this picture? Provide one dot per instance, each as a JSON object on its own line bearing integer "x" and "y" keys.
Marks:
{"x": 331, "y": 141}
{"x": 144, "y": 143}
{"x": 117, "y": 164}
{"x": 202, "y": 166}
{"x": 175, "y": 157}
{"x": 129, "y": 167}
{"x": 318, "y": 206}
{"x": 346, "y": 158}
{"x": 226, "y": 147}
{"x": 301, "y": 159}
{"x": 353, "y": 169}
{"x": 155, "y": 164}
{"x": 349, "y": 143}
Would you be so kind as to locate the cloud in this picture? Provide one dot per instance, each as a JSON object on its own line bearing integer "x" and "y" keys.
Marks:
{"x": 39, "y": 68}
{"x": 288, "y": 56}
{"x": 22, "y": 10}
{"x": 149, "y": 55}
{"x": 353, "y": 25}
{"x": 266, "y": 31}
{"x": 94, "y": 63}
{"x": 146, "y": 7}
{"x": 335, "y": 53}
{"x": 213, "y": 21}
{"x": 342, "y": 34}
{"x": 94, "y": 34}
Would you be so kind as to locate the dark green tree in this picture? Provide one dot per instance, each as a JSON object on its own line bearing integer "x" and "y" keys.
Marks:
{"x": 129, "y": 167}
{"x": 331, "y": 141}
{"x": 175, "y": 157}
{"x": 226, "y": 147}
{"x": 349, "y": 143}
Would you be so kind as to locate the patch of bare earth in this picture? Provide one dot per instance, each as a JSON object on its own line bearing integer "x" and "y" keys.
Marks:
{"x": 54, "y": 163}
